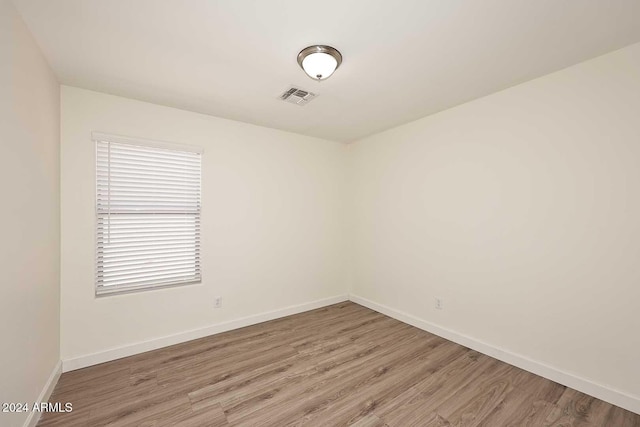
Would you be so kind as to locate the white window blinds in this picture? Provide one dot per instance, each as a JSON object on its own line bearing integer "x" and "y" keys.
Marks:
{"x": 148, "y": 214}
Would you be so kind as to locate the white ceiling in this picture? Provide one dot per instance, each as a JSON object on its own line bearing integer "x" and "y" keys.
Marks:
{"x": 403, "y": 59}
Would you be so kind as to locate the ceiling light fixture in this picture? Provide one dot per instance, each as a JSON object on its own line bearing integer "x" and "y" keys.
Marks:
{"x": 319, "y": 61}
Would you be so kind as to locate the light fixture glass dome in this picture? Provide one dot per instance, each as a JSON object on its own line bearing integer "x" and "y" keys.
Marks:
{"x": 319, "y": 62}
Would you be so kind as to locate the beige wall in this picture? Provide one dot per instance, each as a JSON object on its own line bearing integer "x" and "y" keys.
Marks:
{"x": 522, "y": 211}
{"x": 273, "y": 234}
{"x": 30, "y": 216}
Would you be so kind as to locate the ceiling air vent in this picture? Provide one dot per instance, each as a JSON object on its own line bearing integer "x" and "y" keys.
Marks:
{"x": 297, "y": 96}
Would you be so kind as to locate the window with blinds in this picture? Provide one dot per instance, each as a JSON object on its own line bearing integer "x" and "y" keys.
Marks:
{"x": 147, "y": 214}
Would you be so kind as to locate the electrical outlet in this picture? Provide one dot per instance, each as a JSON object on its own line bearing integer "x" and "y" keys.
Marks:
{"x": 439, "y": 303}
{"x": 217, "y": 302}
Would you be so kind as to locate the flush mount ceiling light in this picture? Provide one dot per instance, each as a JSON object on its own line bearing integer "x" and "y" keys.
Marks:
{"x": 319, "y": 61}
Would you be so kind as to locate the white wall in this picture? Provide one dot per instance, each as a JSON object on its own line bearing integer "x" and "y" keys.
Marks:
{"x": 30, "y": 216}
{"x": 522, "y": 211}
{"x": 272, "y": 234}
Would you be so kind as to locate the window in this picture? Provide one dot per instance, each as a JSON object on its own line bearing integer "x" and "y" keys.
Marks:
{"x": 147, "y": 214}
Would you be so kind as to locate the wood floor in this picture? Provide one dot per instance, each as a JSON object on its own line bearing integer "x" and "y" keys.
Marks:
{"x": 335, "y": 366}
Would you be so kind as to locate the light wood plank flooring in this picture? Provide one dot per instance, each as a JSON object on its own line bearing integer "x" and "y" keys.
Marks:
{"x": 335, "y": 366}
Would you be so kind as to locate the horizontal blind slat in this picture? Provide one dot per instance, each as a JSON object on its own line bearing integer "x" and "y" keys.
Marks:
{"x": 116, "y": 175}
{"x": 148, "y": 166}
{"x": 161, "y": 155}
{"x": 115, "y": 241}
{"x": 144, "y": 232}
{"x": 128, "y": 247}
{"x": 104, "y": 154}
{"x": 126, "y": 252}
{"x": 131, "y": 261}
{"x": 148, "y": 192}
{"x": 146, "y": 276}
{"x": 106, "y": 185}
{"x": 120, "y": 256}
{"x": 147, "y": 151}
{"x": 142, "y": 212}
{"x": 115, "y": 257}
{"x": 186, "y": 205}
{"x": 142, "y": 284}
{"x": 151, "y": 219}
{"x": 157, "y": 171}
{"x": 149, "y": 270}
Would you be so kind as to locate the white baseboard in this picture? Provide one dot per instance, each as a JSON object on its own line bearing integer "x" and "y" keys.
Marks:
{"x": 45, "y": 394}
{"x": 608, "y": 394}
{"x": 153, "y": 344}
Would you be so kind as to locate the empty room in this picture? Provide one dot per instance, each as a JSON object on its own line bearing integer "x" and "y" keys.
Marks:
{"x": 344, "y": 213}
